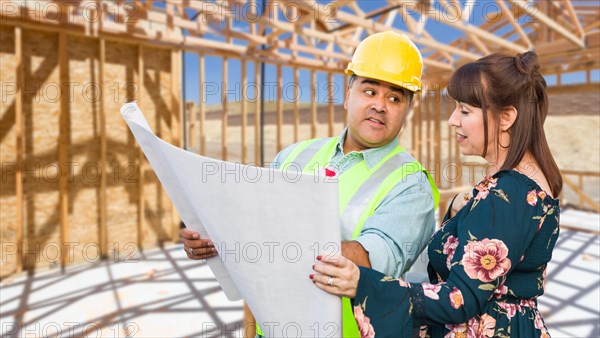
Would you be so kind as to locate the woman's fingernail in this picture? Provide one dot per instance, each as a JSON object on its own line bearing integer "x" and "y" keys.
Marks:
{"x": 311, "y": 276}
{"x": 319, "y": 257}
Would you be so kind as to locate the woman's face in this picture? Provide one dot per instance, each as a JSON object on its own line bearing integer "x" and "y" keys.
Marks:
{"x": 470, "y": 135}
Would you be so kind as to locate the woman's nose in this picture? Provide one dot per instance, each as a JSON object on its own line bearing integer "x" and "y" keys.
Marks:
{"x": 453, "y": 120}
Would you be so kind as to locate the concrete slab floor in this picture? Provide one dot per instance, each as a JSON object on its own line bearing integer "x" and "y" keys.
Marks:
{"x": 161, "y": 293}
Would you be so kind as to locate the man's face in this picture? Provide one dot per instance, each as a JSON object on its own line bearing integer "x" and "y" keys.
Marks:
{"x": 376, "y": 112}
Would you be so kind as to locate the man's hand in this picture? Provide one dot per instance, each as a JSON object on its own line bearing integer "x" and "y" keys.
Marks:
{"x": 355, "y": 252}
{"x": 196, "y": 247}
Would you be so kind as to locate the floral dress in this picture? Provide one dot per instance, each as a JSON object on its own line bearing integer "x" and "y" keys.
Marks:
{"x": 487, "y": 268}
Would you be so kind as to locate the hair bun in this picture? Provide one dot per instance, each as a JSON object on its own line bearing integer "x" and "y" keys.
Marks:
{"x": 527, "y": 63}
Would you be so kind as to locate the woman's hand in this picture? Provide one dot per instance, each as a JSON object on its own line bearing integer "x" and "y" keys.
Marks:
{"x": 460, "y": 201}
{"x": 336, "y": 275}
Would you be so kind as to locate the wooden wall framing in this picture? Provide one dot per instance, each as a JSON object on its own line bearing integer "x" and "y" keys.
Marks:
{"x": 566, "y": 37}
{"x": 112, "y": 168}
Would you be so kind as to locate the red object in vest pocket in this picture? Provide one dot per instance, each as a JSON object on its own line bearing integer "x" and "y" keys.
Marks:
{"x": 329, "y": 173}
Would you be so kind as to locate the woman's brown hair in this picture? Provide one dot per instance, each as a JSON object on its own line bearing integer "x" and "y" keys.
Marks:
{"x": 499, "y": 81}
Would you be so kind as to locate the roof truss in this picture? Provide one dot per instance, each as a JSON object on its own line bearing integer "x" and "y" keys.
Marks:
{"x": 320, "y": 35}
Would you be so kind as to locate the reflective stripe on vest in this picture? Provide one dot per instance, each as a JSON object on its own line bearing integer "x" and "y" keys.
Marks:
{"x": 304, "y": 152}
{"x": 360, "y": 187}
{"x": 361, "y": 190}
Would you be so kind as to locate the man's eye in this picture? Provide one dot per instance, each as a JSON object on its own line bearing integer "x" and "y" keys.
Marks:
{"x": 394, "y": 99}
{"x": 370, "y": 92}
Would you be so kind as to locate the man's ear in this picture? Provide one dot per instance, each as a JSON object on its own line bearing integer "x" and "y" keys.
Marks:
{"x": 346, "y": 97}
{"x": 508, "y": 118}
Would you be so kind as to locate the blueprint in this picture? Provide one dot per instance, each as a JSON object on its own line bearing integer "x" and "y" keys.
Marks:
{"x": 267, "y": 225}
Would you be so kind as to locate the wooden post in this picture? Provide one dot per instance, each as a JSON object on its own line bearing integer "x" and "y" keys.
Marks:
{"x": 202, "y": 80}
{"x": 313, "y": 104}
{"x": 175, "y": 125}
{"x": 257, "y": 80}
{"x": 20, "y": 144}
{"x": 580, "y": 186}
{"x": 244, "y": 111}
{"x": 588, "y": 76}
{"x": 449, "y": 144}
{"x": 279, "y": 110}
{"x": 249, "y": 323}
{"x": 437, "y": 144}
{"x": 103, "y": 233}
{"x": 63, "y": 144}
{"x": 472, "y": 174}
{"x": 224, "y": 114}
{"x": 189, "y": 109}
{"x": 141, "y": 158}
{"x": 296, "y": 104}
{"x": 225, "y": 86}
{"x": 330, "y": 102}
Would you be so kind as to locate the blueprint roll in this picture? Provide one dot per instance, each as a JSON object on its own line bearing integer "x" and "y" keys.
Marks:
{"x": 258, "y": 220}
{"x": 158, "y": 153}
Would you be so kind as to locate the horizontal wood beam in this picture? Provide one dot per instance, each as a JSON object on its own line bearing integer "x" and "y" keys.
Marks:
{"x": 553, "y": 25}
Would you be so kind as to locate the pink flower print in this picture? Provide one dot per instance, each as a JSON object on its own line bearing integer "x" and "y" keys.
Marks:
{"x": 532, "y": 198}
{"x": 538, "y": 321}
{"x": 364, "y": 323}
{"x": 456, "y": 330}
{"x": 544, "y": 280}
{"x": 403, "y": 283}
{"x": 473, "y": 327}
{"x": 431, "y": 290}
{"x": 539, "y": 324}
{"x": 486, "y": 260}
{"x": 456, "y": 298}
{"x": 527, "y": 303}
{"x": 500, "y": 291}
{"x": 511, "y": 309}
{"x": 487, "y": 326}
{"x": 423, "y": 331}
{"x": 449, "y": 249}
{"x": 484, "y": 187}
{"x": 542, "y": 194}
{"x": 542, "y": 219}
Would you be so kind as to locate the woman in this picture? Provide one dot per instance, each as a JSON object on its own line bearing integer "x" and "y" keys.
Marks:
{"x": 488, "y": 260}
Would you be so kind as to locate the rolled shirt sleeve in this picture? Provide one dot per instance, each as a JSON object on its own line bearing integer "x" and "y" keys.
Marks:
{"x": 401, "y": 226}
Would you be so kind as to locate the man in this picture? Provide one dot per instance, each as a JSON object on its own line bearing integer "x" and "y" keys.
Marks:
{"x": 387, "y": 199}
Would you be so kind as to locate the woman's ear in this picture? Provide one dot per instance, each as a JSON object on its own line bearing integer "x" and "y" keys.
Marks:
{"x": 508, "y": 118}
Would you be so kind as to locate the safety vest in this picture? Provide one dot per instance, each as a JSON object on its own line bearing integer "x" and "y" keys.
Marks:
{"x": 361, "y": 190}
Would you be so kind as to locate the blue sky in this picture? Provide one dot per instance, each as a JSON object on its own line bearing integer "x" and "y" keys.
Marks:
{"x": 481, "y": 12}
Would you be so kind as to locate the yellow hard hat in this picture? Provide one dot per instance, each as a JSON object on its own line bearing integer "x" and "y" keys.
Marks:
{"x": 388, "y": 56}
